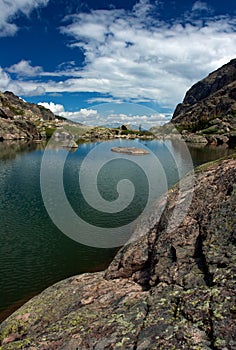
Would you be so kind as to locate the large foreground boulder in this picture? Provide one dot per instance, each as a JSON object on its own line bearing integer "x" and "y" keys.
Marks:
{"x": 168, "y": 290}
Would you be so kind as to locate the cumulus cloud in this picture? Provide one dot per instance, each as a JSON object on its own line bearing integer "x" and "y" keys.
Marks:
{"x": 94, "y": 117}
{"x": 24, "y": 68}
{"x": 134, "y": 57}
{"x": 84, "y": 116}
{"x": 18, "y": 87}
{"x": 146, "y": 121}
{"x": 56, "y": 108}
{"x": 4, "y": 80}
{"x": 200, "y": 6}
{"x": 11, "y": 8}
{"x": 129, "y": 58}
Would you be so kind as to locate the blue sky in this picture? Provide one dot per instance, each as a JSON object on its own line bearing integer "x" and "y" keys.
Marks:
{"x": 112, "y": 61}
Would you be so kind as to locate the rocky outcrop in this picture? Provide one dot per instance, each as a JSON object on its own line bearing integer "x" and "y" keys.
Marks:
{"x": 23, "y": 120}
{"x": 212, "y": 97}
{"x": 208, "y": 111}
{"x": 11, "y": 106}
{"x": 130, "y": 150}
{"x": 168, "y": 290}
{"x": 17, "y": 130}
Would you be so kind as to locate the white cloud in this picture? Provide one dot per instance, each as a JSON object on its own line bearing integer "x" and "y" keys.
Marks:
{"x": 94, "y": 117}
{"x": 143, "y": 8}
{"x": 133, "y": 57}
{"x": 146, "y": 121}
{"x": 24, "y": 68}
{"x": 19, "y": 87}
{"x": 104, "y": 100}
{"x": 84, "y": 116}
{"x": 9, "y": 10}
{"x": 55, "y": 108}
{"x": 129, "y": 59}
{"x": 200, "y": 6}
{"x": 4, "y": 80}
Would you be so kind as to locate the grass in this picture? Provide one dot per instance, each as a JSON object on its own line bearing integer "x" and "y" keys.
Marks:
{"x": 49, "y": 132}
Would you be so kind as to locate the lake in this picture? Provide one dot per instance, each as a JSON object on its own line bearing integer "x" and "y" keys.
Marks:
{"x": 35, "y": 253}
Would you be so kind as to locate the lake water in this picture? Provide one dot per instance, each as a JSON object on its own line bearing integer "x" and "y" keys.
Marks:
{"x": 34, "y": 253}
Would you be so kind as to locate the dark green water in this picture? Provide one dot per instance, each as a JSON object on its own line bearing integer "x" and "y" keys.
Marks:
{"x": 34, "y": 253}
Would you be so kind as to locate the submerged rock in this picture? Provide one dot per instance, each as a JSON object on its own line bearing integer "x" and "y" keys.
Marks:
{"x": 168, "y": 290}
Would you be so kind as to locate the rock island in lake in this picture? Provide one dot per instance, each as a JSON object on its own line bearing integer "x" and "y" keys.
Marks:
{"x": 130, "y": 150}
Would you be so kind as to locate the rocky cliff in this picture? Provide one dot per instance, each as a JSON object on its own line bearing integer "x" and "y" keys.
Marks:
{"x": 214, "y": 96}
{"x": 22, "y": 120}
{"x": 168, "y": 290}
{"x": 209, "y": 107}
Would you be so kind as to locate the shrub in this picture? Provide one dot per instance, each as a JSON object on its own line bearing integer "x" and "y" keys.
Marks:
{"x": 49, "y": 132}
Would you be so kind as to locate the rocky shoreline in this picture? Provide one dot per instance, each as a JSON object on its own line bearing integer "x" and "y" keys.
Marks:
{"x": 168, "y": 290}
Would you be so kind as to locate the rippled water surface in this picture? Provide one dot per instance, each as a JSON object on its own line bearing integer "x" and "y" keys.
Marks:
{"x": 34, "y": 253}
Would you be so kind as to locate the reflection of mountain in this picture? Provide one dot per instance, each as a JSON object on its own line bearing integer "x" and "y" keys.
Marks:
{"x": 9, "y": 149}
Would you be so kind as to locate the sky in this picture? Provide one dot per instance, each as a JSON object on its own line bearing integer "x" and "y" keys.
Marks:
{"x": 108, "y": 62}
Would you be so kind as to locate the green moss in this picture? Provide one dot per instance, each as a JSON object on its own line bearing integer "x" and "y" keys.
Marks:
{"x": 211, "y": 130}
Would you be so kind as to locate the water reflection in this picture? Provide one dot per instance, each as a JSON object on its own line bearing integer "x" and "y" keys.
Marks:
{"x": 203, "y": 154}
{"x": 9, "y": 149}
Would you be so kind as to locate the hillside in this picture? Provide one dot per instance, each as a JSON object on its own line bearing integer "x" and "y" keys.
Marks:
{"x": 20, "y": 120}
{"x": 168, "y": 290}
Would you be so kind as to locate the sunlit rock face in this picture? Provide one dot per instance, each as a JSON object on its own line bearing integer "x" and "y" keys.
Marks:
{"x": 22, "y": 120}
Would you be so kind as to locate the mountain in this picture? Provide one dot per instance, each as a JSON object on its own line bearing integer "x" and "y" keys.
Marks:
{"x": 208, "y": 111}
{"x": 210, "y": 104}
{"x": 22, "y": 120}
{"x": 13, "y": 107}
